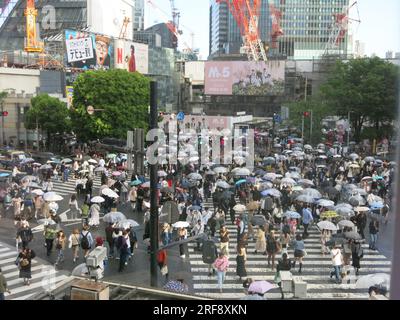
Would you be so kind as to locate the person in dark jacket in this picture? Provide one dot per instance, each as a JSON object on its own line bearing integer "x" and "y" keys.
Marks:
{"x": 123, "y": 245}
{"x": 26, "y": 235}
{"x": 373, "y": 233}
{"x": 109, "y": 238}
{"x": 24, "y": 261}
{"x": 361, "y": 221}
{"x": 284, "y": 264}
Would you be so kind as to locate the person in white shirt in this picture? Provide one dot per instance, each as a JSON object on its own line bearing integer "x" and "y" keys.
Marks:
{"x": 197, "y": 230}
{"x": 102, "y": 163}
{"x": 337, "y": 262}
{"x": 206, "y": 215}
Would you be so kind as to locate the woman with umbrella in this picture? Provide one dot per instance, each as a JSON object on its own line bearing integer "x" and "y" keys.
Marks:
{"x": 325, "y": 237}
{"x": 24, "y": 261}
{"x": 357, "y": 253}
{"x": 94, "y": 214}
{"x": 261, "y": 244}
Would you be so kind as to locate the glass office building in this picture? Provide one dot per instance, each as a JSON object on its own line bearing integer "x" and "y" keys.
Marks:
{"x": 138, "y": 23}
{"x": 307, "y": 25}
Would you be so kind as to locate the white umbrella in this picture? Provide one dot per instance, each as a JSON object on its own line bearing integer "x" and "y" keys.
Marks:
{"x": 219, "y": 170}
{"x": 312, "y": 193}
{"x": 109, "y": 193}
{"x": 162, "y": 174}
{"x": 346, "y": 223}
{"x": 195, "y": 176}
{"x": 38, "y": 192}
{"x": 376, "y": 279}
{"x": 306, "y": 182}
{"x": 127, "y": 224}
{"x": 100, "y": 169}
{"x": 223, "y": 184}
{"x": 114, "y": 217}
{"x": 97, "y": 200}
{"x": 52, "y": 197}
{"x": 353, "y": 156}
{"x": 295, "y": 175}
{"x": 47, "y": 222}
{"x": 194, "y": 159}
{"x": 239, "y": 208}
{"x": 305, "y": 198}
{"x": 325, "y": 203}
{"x": 292, "y": 215}
{"x": 288, "y": 181}
{"x": 67, "y": 160}
{"x": 361, "y": 209}
{"x": 92, "y": 161}
{"x": 327, "y": 225}
{"x": 270, "y": 176}
{"x": 241, "y": 172}
{"x": 181, "y": 224}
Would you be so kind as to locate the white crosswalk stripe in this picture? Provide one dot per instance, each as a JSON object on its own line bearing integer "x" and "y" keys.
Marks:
{"x": 44, "y": 276}
{"x": 69, "y": 187}
{"x": 316, "y": 271}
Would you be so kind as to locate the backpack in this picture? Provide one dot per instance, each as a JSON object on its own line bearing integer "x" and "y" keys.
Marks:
{"x": 119, "y": 242}
{"x": 209, "y": 252}
{"x": 85, "y": 241}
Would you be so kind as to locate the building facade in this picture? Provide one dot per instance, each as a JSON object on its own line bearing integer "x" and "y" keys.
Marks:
{"x": 307, "y": 26}
{"x": 138, "y": 22}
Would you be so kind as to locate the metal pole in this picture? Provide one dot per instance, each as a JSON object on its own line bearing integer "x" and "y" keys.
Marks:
{"x": 37, "y": 134}
{"x": 348, "y": 130}
{"x": 153, "y": 193}
{"x": 302, "y": 127}
{"x": 311, "y": 126}
{"x": 395, "y": 275}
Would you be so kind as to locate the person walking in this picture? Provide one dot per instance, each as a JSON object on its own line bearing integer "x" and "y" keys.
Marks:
{"x": 284, "y": 264}
{"x": 182, "y": 235}
{"x": 73, "y": 206}
{"x": 210, "y": 254}
{"x": 61, "y": 241}
{"x": 38, "y": 202}
{"x": 123, "y": 245}
{"x": 373, "y": 234}
{"x": 49, "y": 236}
{"x": 86, "y": 241}
{"x": 241, "y": 259}
{"x": 109, "y": 238}
{"x": 357, "y": 253}
{"x": 325, "y": 237}
{"x": 224, "y": 240}
{"x": 3, "y": 286}
{"x": 337, "y": 262}
{"x": 299, "y": 252}
{"x": 133, "y": 241}
{"x": 273, "y": 247}
{"x": 221, "y": 264}
{"x": 261, "y": 243}
{"x": 25, "y": 234}
{"x": 162, "y": 263}
{"x": 285, "y": 240}
{"x": 307, "y": 220}
{"x": 24, "y": 261}
{"x": 73, "y": 243}
{"x": 94, "y": 214}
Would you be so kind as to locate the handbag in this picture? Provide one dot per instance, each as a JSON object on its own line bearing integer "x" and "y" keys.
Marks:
{"x": 164, "y": 270}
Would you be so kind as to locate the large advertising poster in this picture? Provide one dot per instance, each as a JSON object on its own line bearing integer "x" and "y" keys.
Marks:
{"x": 131, "y": 56}
{"x": 107, "y": 17}
{"x": 88, "y": 51}
{"x": 243, "y": 78}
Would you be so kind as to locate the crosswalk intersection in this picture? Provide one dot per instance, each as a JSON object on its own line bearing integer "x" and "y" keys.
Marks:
{"x": 69, "y": 187}
{"x": 316, "y": 271}
{"x": 44, "y": 277}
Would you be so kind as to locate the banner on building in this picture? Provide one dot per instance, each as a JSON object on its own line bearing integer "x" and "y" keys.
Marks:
{"x": 244, "y": 78}
{"x": 79, "y": 49}
{"x": 101, "y": 50}
{"x": 131, "y": 56}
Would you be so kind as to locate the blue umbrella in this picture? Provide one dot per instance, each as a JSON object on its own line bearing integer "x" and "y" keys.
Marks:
{"x": 195, "y": 208}
{"x": 136, "y": 183}
{"x": 260, "y": 172}
{"x": 240, "y": 182}
{"x": 271, "y": 192}
{"x": 292, "y": 215}
{"x": 377, "y": 205}
{"x": 4, "y": 175}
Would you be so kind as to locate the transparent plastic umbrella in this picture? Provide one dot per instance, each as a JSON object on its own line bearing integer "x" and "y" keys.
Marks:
{"x": 127, "y": 224}
{"x": 376, "y": 279}
{"x": 327, "y": 225}
{"x": 239, "y": 208}
{"x": 114, "y": 217}
{"x": 52, "y": 197}
{"x": 97, "y": 200}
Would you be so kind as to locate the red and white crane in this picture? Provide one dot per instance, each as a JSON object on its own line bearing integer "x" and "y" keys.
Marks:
{"x": 339, "y": 29}
{"x": 247, "y": 14}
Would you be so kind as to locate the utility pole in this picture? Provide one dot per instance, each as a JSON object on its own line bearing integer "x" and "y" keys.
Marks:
{"x": 311, "y": 126}
{"x": 302, "y": 126}
{"x": 348, "y": 130}
{"x": 153, "y": 193}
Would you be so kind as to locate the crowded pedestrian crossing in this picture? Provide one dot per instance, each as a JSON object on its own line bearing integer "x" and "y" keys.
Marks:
{"x": 316, "y": 271}
{"x": 44, "y": 277}
{"x": 69, "y": 187}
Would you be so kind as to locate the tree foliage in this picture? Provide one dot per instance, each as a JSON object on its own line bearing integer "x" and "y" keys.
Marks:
{"x": 50, "y": 114}
{"x": 123, "y": 96}
{"x": 367, "y": 88}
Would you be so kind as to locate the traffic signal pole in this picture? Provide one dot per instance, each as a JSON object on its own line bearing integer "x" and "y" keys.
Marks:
{"x": 153, "y": 193}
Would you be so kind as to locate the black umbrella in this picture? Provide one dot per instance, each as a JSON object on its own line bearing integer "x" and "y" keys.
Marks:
{"x": 352, "y": 235}
{"x": 258, "y": 220}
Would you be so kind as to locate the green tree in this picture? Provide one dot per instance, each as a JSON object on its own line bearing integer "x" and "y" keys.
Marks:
{"x": 123, "y": 96}
{"x": 319, "y": 111}
{"x": 49, "y": 114}
{"x": 365, "y": 88}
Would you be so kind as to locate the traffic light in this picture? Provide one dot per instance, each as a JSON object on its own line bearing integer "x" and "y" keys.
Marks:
{"x": 4, "y": 114}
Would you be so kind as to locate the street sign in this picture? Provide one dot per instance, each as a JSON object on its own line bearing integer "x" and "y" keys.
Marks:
{"x": 277, "y": 118}
{"x": 180, "y": 116}
{"x": 90, "y": 110}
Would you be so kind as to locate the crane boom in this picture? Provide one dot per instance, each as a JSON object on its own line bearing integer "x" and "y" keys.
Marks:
{"x": 31, "y": 43}
{"x": 246, "y": 14}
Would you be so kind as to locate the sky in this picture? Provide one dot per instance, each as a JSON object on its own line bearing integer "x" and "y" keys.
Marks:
{"x": 379, "y": 28}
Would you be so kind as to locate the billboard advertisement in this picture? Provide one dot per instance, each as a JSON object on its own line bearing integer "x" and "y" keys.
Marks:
{"x": 131, "y": 56}
{"x": 88, "y": 51}
{"x": 107, "y": 17}
{"x": 244, "y": 78}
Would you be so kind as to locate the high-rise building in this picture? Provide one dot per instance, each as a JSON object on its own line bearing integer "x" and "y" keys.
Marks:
{"x": 138, "y": 21}
{"x": 307, "y": 27}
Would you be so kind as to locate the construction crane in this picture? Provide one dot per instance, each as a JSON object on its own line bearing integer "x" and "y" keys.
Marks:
{"x": 246, "y": 14}
{"x": 124, "y": 29}
{"x": 340, "y": 28}
{"x": 31, "y": 43}
{"x": 277, "y": 31}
